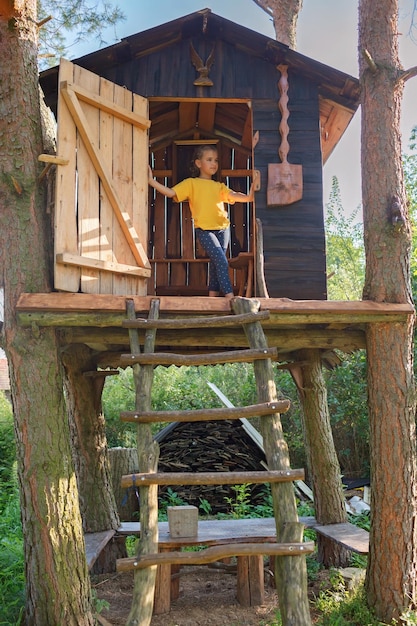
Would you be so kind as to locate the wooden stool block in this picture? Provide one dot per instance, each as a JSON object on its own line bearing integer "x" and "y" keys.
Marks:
{"x": 183, "y": 521}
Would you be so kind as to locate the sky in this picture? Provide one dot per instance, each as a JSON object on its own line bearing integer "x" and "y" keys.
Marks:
{"x": 326, "y": 32}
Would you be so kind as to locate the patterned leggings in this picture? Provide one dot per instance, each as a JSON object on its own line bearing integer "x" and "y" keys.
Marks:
{"x": 215, "y": 243}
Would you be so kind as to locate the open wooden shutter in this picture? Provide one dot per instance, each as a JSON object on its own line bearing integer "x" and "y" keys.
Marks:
{"x": 101, "y": 207}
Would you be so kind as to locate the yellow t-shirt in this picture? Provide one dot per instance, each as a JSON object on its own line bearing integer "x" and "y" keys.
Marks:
{"x": 206, "y": 198}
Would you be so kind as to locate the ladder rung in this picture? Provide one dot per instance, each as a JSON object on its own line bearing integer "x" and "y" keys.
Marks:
{"x": 211, "y": 478}
{"x": 168, "y": 358}
{"x": 198, "y": 322}
{"x": 215, "y": 553}
{"x": 203, "y": 415}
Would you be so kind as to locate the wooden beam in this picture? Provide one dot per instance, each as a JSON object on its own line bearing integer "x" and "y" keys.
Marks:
{"x": 66, "y": 258}
{"x": 278, "y": 307}
{"x": 236, "y": 356}
{"x": 214, "y": 553}
{"x": 211, "y": 478}
{"x": 201, "y": 415}
{"x": 197, "y": 322}
{"x": 107, "y": 106}
{"x": 52, "y": 159}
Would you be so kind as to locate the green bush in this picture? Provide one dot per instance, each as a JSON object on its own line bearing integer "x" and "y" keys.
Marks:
{"x": 7, "y": 447}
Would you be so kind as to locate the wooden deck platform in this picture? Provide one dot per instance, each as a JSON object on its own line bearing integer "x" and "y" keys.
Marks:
{"x": 96, "y": 320}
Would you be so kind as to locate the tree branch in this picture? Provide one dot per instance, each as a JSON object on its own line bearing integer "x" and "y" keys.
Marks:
{"x": 263, "y": 4}
{"x": 371, "y": 63}
{"x": 406, "y": 74}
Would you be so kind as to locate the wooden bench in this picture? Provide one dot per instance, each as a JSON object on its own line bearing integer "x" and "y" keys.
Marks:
{"x": 250, "y": 569}
{"x": 95, "y": 543}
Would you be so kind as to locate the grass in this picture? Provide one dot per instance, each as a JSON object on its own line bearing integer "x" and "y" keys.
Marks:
{"x": 12, "y": 580}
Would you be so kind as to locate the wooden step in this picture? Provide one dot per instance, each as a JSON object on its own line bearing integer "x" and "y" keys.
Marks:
{"x": 203, "y": 415}
{"x": 169, "y": 358}
{"x": 197, "y": 322}
{"x": 214, "y": 553}
{"x": 211, "y": 478}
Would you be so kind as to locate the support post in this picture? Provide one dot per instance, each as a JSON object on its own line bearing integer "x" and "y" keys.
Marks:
{"x": 291, "y": 573}
{"x": 148, "y": 454}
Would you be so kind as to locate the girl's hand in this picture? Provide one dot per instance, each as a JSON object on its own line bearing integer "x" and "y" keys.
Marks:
{"x": 150, "y": 174}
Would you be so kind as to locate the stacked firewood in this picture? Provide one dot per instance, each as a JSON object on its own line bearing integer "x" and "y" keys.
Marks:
{"x": 210, "y": 446}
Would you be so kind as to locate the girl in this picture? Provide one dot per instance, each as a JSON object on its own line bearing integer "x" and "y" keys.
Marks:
{"x": 206, "y": 198}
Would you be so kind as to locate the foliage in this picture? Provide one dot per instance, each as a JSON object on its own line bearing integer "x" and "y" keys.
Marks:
{"x": 83, "y": 19}
{"x": 174, "y": 388}
{"x": 410, "y": 176}
{"x": 347, "y": 402}
{"x": 345, "y": 250}
{"x": 119, "y": 395}
{"x": 12, "y": 581}
{"x": 348, "y": 409}
{"x": 7, "y": 446}
{"x": 240, "y": 505}
{"x": 169, "y": 498}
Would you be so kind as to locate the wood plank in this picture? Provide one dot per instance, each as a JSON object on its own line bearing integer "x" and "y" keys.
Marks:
{"x": 348, "y": 535}
{"x": 214, "y": 553}
{"x": 122, "y": 216}
{"x": 279, "y": 308}
{"x": 95, "y": 543}
{"x": 88, "y": 195}
{"x": 211, "y": 532}
{"x": 168, "y": 358}
{"x": 65, "y": 219}
{"x": 105, "y": 266}
{"x": 210, "y": 478}
{"x": 198, "y": 415}
{"x": 107, "y": 105}
{"x": 122, "y": 170}
{"x": 140, "y": 186}
{"x": 107, "y": 216}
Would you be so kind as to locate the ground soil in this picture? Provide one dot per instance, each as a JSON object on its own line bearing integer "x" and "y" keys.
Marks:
{"x": 207, "y": 598}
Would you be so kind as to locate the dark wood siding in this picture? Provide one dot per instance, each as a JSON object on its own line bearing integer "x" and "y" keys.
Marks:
{"x": 294, "y": 241}
{"x": 169, "y": 73}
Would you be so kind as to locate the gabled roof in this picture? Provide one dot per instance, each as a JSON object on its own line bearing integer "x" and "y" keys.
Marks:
{"x": 338, "y": 92}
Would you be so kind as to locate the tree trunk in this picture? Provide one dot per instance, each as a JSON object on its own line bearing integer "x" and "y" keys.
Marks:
{"x": 284, "y": 14}
{"x": 89, "y": 443}
{"x": 124, "y": 461}
{"x": 322, "y": 461}
{"x": 391, "y": 577}
{"x": 57, "y": 582}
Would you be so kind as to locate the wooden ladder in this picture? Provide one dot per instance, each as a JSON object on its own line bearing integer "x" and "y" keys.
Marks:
{"x": 290, "y": 573}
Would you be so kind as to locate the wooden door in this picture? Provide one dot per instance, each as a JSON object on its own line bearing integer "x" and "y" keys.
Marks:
{"x": 101, "y": 201}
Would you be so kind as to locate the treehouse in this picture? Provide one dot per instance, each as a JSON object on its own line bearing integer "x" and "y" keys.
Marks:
{"x": 129, "y": 276}
{"x": 153, "y": 97}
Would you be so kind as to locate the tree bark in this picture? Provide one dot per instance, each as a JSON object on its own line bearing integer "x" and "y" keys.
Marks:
{"x": 284, "y": 14}
{"x": 124, "y": 461}
{"x": 391, "y": 576}
{"x": 57, "y": 582}
{"x": 322, "y": 461}
{"x": 89, "y": 442}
